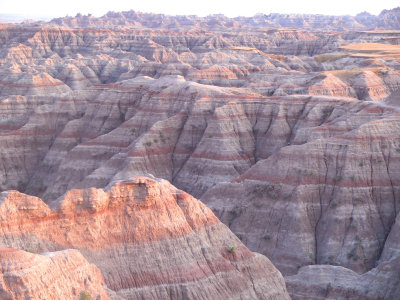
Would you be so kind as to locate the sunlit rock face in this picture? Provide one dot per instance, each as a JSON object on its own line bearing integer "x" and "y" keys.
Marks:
{"x": 148, "y": 239}
{"x": 285, "y": 126}
{"x": 66, "y": 274}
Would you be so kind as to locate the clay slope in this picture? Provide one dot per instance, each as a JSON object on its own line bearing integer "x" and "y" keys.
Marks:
{"x": 149, "y": 240}
{"x": 169, "y": 127}
{"x": 333, "y": 282}
{"x": 324, "y": 168}
{"x": 337, "y": 188}
{"x": 289, "y": 135}
{"x": 62, "y": 275}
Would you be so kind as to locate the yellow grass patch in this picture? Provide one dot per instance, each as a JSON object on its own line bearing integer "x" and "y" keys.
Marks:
{"x": 372, "y": 49}
{"x": 329, "y": 57}
{"x": 347, "y": 74}
{"x": 273, "y": 56}
{"x": 380, "y": 31}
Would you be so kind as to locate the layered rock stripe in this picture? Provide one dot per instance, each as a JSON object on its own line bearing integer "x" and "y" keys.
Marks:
{"x": 149, "y": 240}
{"x": 290, "y": 135}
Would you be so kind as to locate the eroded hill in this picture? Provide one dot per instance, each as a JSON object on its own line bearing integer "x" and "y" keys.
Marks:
{"x": 291, "y": 137}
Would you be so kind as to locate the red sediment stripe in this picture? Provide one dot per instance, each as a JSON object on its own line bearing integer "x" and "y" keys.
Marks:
{"x": 221, "y": 157}
{"x": 78, "y": 134}
{"x": 121, "y": 144}
{"x": 81, "y": 79}
{"x": 29, "y": 132}
{"x": 159, "y": 151}
{"x": 300, "y": 178}
{"x": 8, "y": 250}
{"x": 184, "y": 273}
{"x": 8, "y": 127}
{"x": 357, "y": 139}
{"x": 30, "y": 85}
{"x": 148, "y": 151}
{"x": 81, "y": 218}
{"x": 374, "y": 109}
{"x": 316, "y": 180}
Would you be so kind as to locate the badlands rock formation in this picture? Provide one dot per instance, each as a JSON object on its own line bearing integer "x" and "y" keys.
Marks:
{"x": 149, "y": 239}
{"x": 62, "y": 274}
{"x": 387, "y": 19}
{"x": 289, "y": 134}
{"x": 334, "y": 282}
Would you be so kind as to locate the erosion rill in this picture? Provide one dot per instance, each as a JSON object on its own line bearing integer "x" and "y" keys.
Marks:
{"x": 287, "y": 133}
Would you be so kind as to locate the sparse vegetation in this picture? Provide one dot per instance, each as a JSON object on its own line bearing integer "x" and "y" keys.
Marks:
{"x": 307, "y": 172}
{"x": 232, "y": 249}
{"x": 236, "y": 212}
{"x": 373, "y": 50}
{"x": 148, "y": 144}
{"x": 350, "y": 255}
{"x": 326, "y": 112}
{"x": 21, "y": 185}
{"x": 85, "y": 296}
{"x": 272, "y": 190}
{"x": 313, "y": 173}
{"x": 380, "y": 71}
{"x": 347, "y": 74}
{"x": 272, "y": 56}
{"x": 339, "y": 178}
{"x": 361, "y": 164}
{"x": 330, "y": 259}
{"x": 257, "y": 204}
{"x": 188, "y": 147}
{"x": 334, "y": 203}
{"x": 329, "y": 57}
{"x": 259, "y": 189}
{"x": 267, "y": 236}
{"x": 298, "y": 91}
{"x": 162, "y": 137}
{"x": 278, "y": 57}
{"x": 319, "y": 76}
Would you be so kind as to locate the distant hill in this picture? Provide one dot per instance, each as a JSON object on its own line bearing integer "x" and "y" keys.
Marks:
{"x": 387, "y": 19}
{"x": 17, "y": 18}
